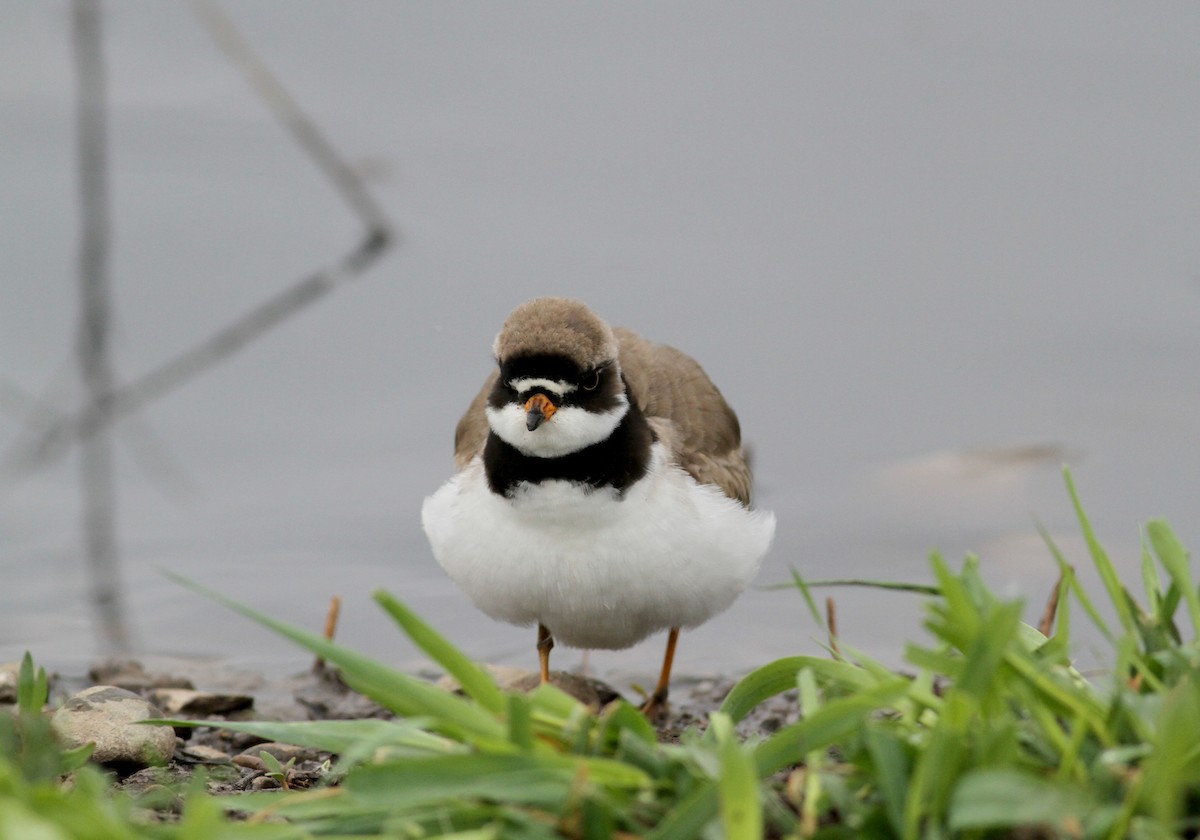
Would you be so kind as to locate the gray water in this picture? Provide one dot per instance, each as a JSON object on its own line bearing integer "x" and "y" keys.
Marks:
{"x": 928, "y": 252}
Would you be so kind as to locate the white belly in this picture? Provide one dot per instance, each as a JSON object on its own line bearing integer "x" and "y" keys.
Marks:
{"x": 597, "y": 570}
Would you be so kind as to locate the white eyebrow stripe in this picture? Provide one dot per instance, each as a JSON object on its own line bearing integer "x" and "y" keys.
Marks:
{"x": 528, "y": 383}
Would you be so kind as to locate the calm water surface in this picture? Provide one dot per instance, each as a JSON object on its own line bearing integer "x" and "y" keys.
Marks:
{"x": 928, "y": 254}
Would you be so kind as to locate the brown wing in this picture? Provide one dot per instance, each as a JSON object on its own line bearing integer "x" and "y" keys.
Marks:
{"x": 471, "y": 433}
{"x": 688, "y": 413}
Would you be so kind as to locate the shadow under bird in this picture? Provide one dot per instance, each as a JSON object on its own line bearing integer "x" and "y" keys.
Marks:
{"x": 602, "y": 490}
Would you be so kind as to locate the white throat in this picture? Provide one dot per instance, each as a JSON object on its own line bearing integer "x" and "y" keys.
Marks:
{"x": 569, "y": 430}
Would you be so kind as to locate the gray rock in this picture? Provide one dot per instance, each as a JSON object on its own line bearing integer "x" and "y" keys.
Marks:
{"x": 281, "y": 752}
{"x": 9, "y": 674}
{"x": 202, "y": 754}
{"x": 264, "y": 783}
{"x": 176, "y": 701}
{"x": 108, "y": 717}
{"x": 251, "y": 762}
{"x": 130, "y": 675}
{"x": 324, "y": 696}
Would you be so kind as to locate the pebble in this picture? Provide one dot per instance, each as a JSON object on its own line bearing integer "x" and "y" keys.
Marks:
{"x": 152, "y": 780}
{"x": 324, "y": 696}
{"x": 240, "y": 741}
{"x": 504, "y": 675}
{"x": 130, "y": 675}
{"x": 9, "y": 674}
{"x": 202, "y": 754}
{"x": 251, "y": 762}
{"x": 107, "y": 716}
{"x": 283, "y": 753}
{"x": 187, "y": 701}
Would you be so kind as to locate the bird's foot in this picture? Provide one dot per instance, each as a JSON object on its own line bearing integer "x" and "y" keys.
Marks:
{"x": 656, "y": 707}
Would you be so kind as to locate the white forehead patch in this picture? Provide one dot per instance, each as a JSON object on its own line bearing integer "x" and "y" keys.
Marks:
{"x": 528, "y": 383}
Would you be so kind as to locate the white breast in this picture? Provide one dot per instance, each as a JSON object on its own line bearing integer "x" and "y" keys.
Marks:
{"x": 598, "y": 570}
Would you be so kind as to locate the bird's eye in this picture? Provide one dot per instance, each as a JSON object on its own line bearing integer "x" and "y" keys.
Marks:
{"x": 591, "y": 381}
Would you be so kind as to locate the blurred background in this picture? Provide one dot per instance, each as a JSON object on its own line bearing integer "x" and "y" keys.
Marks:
{"x": 930, "y": 252}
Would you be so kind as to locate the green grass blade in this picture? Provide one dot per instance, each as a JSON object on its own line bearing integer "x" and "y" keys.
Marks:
{"x": 1166, "y": 611}
{"x": 889, "y": 585}
{"x": 1104, "y": 566}
{"x": 835, "y": 720}
{"x": 1059, "y": 645}
{"x": 1068, "y": 573}
{"x": 780, "y": 676}
{"x": 542, "y": 780}
{"x": 1174, "y": 558}
{"x": 995, "y": 798}
{"x": 392, "y": 689}
{"x": 33, "y": 687}
{"x": 475, "y": 681}
{"x": 997, "y": 635}
{"x": 27, "y": 686}
{"x": 941, "y": 661}
{"x": 550, "y": 701}
{"x": 622, "y": 722}
{"x": 517, "y": 779}
{"x": 874, "y": 669}
{"x": 938, "y": 764}
{"x": 956, "y": 617}
{"x": 1172, "y": 770}
{"x": 557, "y": 716}
{"x": 520, "y": 722}
{"x": 339, "y": 736}
{"x": 1150, "y": 580}
{"x": 1063, "y": 694}
{"x": 688, "y": 818}
{"x": 798, "y": 583}
{"x": 892, "y": 769}
{"x": 272, "y": 764}
{"x": 814, "y": 760}
{"x": 737, "y": 789}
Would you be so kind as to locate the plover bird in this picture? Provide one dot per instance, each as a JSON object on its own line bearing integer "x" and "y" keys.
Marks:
{"x": 602, "y": 491}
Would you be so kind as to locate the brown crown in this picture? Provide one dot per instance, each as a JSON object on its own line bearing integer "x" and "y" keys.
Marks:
{"x": 558, "y": 327}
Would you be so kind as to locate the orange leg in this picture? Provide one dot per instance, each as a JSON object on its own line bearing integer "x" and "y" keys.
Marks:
{"x": 657, "y": 704}
{"x": 545, "y": 643}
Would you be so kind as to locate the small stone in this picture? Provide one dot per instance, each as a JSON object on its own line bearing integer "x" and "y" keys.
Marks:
{"x": 10, "y": 673}
{"x": 186, "y": 701}
{"x": 283, "y": 753}
{"x": 244, "y": 740}
{"x": 265, "y": 783}
{"x": 326, "y": 697}
{"x": 202, "y": 754}
{"x": 251, "y": 762}
{"x": 151, "y": 779}
{"x": 108, "y": 717}
{"x": 162, "y": 800}
{"x": 131, "y": 676}
{"x": 504, "y": 675}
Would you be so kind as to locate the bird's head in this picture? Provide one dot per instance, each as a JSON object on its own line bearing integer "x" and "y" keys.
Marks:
{"x": 560, "y": 388}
